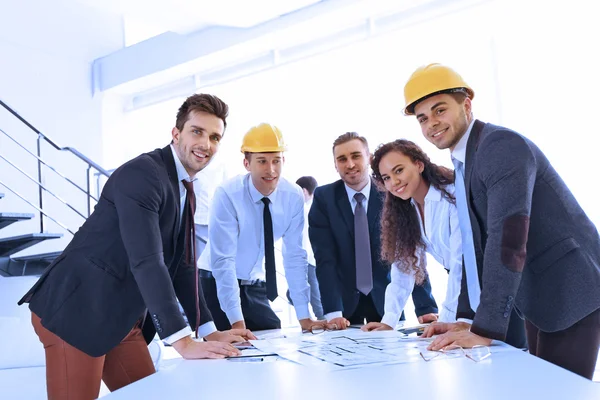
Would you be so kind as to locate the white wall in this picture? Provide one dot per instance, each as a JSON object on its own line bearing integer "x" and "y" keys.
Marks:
{"x": 548, "y": 85}
{"x": 46, "y": 50}
{"x": 530, "y": 64}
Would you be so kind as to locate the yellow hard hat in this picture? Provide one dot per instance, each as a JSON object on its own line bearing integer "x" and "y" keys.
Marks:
{"x": 431, "y": 80}
{"x": 263, "y": 138}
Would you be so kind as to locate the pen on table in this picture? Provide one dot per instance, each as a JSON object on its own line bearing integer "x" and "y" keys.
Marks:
{"x": 243, "y": 345}
{"x": 418, "y": 329}
{"x": 245, "y": 359}
{"x": 253, "y": 355}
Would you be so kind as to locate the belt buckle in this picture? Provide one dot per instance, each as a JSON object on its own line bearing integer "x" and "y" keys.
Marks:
{"x": 250, "y": 282}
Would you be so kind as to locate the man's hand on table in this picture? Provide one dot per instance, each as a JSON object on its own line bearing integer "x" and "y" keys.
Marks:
{"x": 464, "y": 339}
{"x": 438, "y": 328}
{"x": 190, "y": 349}
{"x": 231, "y": 336}
{"x": 340, "y": 323}
{"x": 375, "y": 326}
{"x": 310, "y": 325}
{"x": 424, "y": 319}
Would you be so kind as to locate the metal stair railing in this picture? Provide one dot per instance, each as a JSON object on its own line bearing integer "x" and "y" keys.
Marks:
{"x": 40, "y": 162}
{"x": 34, "y": 206}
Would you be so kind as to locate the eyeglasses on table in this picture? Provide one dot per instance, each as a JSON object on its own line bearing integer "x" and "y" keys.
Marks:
{"x": 476, "y": 353}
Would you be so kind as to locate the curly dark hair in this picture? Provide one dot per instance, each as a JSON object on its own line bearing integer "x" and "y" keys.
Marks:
{"x": 401, "y": 241}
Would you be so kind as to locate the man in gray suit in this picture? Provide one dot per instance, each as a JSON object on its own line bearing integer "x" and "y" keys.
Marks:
{"x": 535, "y": 249}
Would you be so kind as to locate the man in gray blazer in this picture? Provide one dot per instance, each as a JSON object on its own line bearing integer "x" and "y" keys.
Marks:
{"x": 535, "y": 248}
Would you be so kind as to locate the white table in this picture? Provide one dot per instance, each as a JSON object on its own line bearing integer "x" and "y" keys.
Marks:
{"x": 511, "y": 375}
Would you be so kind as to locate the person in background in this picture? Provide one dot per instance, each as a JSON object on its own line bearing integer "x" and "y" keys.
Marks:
{"x": 308, "y": 185}
{"x": 344, "y": 230}
{"x": 419, "y": 215}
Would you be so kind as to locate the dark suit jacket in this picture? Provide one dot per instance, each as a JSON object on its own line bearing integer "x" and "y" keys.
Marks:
{"x": 124, "y": 260}
{"x": 331, "y": 232}
{"x": 535, "y": 247}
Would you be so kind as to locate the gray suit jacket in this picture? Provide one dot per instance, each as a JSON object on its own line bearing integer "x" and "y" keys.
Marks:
{"x": 535, "y": 247}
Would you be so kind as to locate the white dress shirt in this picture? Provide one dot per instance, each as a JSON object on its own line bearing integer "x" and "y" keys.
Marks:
{"x": 209, "y": 327}
{"x": 460, "y": 150}
{"x": 236, "y": 240}
{"x": 366, "y": 191}
{"x": 310, "y": 256}
{"x": 441, "y": 235}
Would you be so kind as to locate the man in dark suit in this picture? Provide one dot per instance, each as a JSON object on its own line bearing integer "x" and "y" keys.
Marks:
{"x": 118, "y": 280}
{"x": 535, "y": 248}
{"x": 344, "y": 230}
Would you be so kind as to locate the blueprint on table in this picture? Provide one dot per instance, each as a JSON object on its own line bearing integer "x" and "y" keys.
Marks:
{"x": 350, "y": 349}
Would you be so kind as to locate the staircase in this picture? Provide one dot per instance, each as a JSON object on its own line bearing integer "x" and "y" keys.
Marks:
{"x": 48, "y": 198}
{"x": 27, "y": 265}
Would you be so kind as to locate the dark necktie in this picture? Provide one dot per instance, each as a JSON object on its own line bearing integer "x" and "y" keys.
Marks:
{"x": 362, "y": 247}
{"x": 269, "y": 252}
{"x": 187, "y": 221}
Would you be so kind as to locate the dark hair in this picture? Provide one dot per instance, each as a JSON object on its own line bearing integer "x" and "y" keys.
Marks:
{"x": 348, "y": 136}
{"x": 207, "y": 103}
{"x": 401, "y": 240}
{"x": 307, "y": 182}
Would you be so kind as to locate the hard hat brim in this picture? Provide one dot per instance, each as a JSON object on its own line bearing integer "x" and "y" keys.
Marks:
{"x": 410, "y": 109}
{"x": 264, "y": 150}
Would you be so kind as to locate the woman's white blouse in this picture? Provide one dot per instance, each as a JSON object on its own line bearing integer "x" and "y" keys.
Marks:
{"x": 441, "y": 234}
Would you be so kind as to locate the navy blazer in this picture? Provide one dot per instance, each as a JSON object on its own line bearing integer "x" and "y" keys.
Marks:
{"x": 331, "y": 232}
{"x": 125, "y": 259}
{"x": 535, "y": 247}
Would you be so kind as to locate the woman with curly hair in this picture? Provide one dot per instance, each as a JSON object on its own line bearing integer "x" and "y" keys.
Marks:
{"x": 419, "y": 215}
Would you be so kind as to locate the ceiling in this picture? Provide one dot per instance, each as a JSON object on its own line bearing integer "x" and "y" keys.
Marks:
{"x": 152, "y": 17}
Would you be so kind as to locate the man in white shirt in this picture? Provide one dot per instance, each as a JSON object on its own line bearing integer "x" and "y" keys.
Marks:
{"x": 248, "y": 214}
{"x": 308, "y": 185}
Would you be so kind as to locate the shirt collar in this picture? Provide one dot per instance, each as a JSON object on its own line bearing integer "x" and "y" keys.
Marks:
{"x": 256, "y": 195}
{"x": 460, "y": 151}
{"x": 181, "y": 172}
{"x": 433, "y": 194}
{"x": 365, "y": 191}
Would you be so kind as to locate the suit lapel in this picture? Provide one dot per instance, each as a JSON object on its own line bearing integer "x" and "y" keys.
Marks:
{"x": 472, "y": 146}
{"x": 167, "y": 155}
{"x": 374, "y": 209}
{"x": 344, "y": 206}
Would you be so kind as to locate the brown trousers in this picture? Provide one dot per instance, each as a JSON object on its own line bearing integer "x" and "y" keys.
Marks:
{"x": 574, "y": 348}
{"x": 72, "y": 374}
